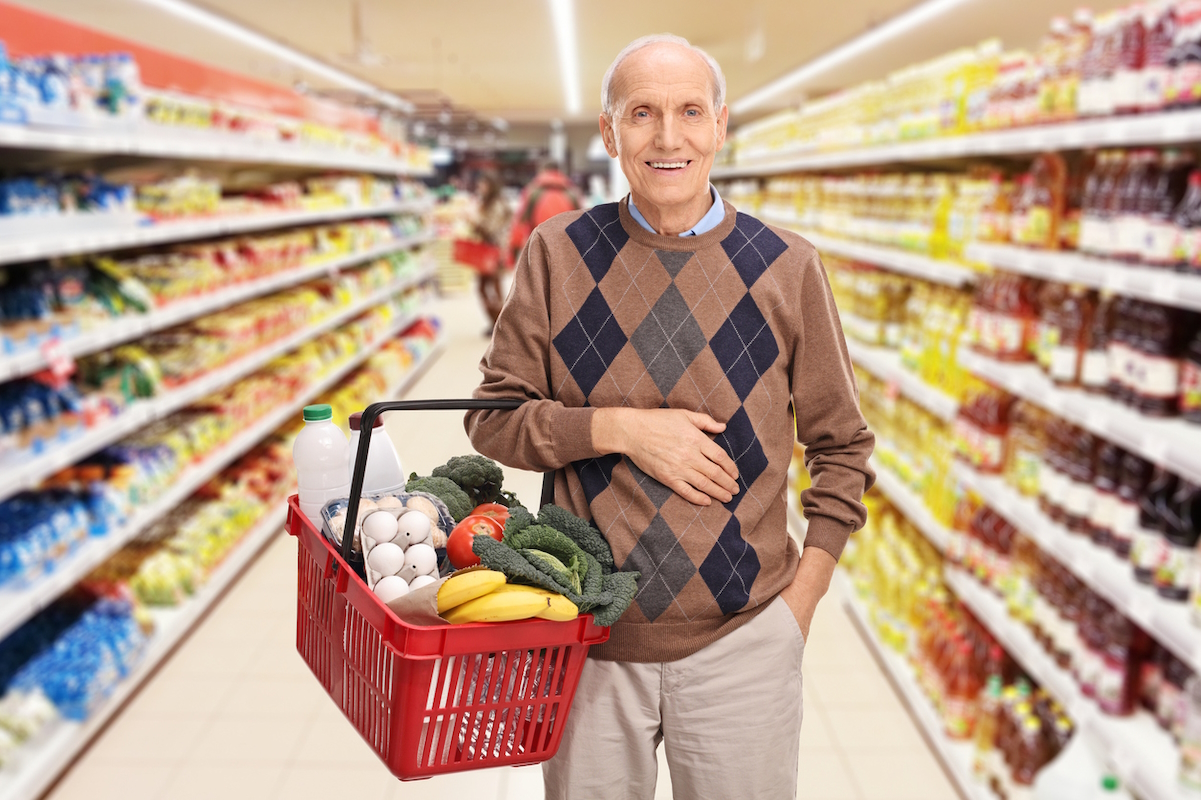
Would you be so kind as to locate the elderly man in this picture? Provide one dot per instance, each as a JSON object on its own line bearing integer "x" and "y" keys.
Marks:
{"x": 671, "y": 349}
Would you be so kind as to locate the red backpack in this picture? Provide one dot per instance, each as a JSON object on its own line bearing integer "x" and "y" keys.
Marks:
{"x": 545, "y": 198}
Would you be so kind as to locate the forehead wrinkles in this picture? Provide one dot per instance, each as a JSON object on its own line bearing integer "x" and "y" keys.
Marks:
{"x": 665, "y": 70}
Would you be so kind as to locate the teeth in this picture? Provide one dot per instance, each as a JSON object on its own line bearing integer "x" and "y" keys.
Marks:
{"x": 669, "y": 164}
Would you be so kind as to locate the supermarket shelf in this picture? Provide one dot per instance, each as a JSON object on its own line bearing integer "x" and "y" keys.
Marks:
{"x": 911, "y": 506}
{"x": 1172, "y": 443}
{"x": 1143, "y": 129}
{"x": 1142, "y": 754}
{"x": 18, "y": 606}
{"x": 1099, "y": 568}
{"x": 155, "y": 141}
{"x": 930, "y": 269}
{"x": 27, "y": 475}
{"x": 43, "y": 760}
{"x": 886, "y": 364}
{"x": 955, "y": 756}
{"x": 72, "y": 235}
{"x": 55, "y": 750}
{"x": 1161, "y": 286}
{"x": 132, "y": 327}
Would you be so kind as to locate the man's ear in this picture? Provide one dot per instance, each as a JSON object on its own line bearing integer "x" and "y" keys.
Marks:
{"x": 723, "y": 120}
{"x": 609, "y": 136}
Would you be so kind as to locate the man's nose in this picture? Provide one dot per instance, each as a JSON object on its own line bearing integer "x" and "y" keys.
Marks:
{"x": 669, "y": 133}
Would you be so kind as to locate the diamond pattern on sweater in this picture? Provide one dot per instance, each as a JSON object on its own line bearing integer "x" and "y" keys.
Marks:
{"x": 599, "y": 237}
{"x": 752, "y": 248}
{"x": 668, "y": 340}
{"x": 657, "y": 492}
{"x": 730, "y": 568}
{"x": 745, "y": 346}
{"x": 673, "y": 260}
{"x": 740, "y": 441}
{"x": 596, "y": 474}
{"x": 664, "y": 565}
{"x": 590, "y": 341}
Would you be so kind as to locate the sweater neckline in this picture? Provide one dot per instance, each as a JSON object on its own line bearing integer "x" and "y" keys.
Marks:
{"x": 689, "y": 244}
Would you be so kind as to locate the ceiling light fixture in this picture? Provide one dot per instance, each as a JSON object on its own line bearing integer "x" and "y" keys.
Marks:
{"x": 562, "y": 14}
{"x": 891, "y": 29}
{"x": 240, "y": 33}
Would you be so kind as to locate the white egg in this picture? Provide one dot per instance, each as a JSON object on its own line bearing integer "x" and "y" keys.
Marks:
{"x": 386, "y": 559}
{"x": 390, "y": 588}
{"x": 380, "y": 526}
{"x": 420, "y": 581}
{"x": 423, "y": 558}
{"x": 412, "y": 528}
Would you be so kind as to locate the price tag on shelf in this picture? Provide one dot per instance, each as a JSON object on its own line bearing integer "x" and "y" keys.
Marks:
{"x": 59, "y": 361}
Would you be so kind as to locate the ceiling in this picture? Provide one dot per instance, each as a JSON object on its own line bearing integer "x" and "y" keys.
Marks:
{"x": 479, "y": 60}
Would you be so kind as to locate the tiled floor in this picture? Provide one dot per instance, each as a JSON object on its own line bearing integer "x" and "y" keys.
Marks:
{"x": 235, "y": 713}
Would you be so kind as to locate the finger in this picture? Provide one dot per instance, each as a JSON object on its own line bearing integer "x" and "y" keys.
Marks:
{"x": 705, "y": 422}
{"x": 686, "y": 491}
{"x": 703, "y": 483}
{"x": 714, "y": 452}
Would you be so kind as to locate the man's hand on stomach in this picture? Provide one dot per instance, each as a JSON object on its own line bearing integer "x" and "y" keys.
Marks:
{"x": 673, "y": 447}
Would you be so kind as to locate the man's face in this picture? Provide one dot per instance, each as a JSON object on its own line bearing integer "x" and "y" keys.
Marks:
{"x": 664, "y": 130}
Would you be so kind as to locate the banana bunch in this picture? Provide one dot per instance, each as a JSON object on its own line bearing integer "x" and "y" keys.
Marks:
{"x": 482, "y": 595}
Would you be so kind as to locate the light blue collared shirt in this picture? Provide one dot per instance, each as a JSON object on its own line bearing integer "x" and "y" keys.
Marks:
{"x": 712, "y": 218}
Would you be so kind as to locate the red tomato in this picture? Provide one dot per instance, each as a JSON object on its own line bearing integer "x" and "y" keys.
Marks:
{"x": 494, "y": 510}
{"x": 458, "y": 544}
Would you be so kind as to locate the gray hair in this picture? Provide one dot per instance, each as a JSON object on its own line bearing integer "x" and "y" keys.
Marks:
{"x": 719, "y": 78}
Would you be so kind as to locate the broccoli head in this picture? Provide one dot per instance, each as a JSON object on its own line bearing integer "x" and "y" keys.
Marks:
{"x": 457, "y": 501}
{"x": 480, "y": 477}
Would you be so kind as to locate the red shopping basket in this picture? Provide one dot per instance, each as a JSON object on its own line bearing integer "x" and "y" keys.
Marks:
{"x": 482, "y": 257}
{"x": 438, "y": 699}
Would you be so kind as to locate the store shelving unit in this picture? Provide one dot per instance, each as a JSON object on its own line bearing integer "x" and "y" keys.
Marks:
{"x": 1172, "y": 443}
{"x": 104, "y": 335}
{"x": 1143, "y": 129}
{"x": 72, "y": 234}
{"x": 16, "y": 606}
{"x": 919, "y": 266}
{"x": 956, "y": 756}
{"x": 1161, "y": 286}
{"x": 42, "y": 760}
{"x": 149, "y": 140}
{"x": 30, "y": 472}
{"x": 1097, "y": 567}
{"x": 886, "y": 365}
{"x": 1143, "y": 755}
{"x": 911, "y": 506}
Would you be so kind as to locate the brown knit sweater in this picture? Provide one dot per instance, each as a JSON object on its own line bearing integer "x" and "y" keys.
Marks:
{"x": 738, "y": 323}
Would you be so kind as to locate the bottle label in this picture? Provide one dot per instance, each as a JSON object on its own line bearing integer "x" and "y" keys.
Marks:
{"x": 1169, "y": 705}
{"x": 956, "y": 546}
{"x": 1125, "y": 520}
{"x": 1088, "y": 234}
{"x": 1026, "y": 468}
{"x": 1094, "y": 369}
{"x": 1159, "y": 243}
{"x": 1132, "y": 231}
{"x": 1175, "y": 566}
{"x": 1091, "y": 666}
{"x": 957, "y": 714}
{"x": 1011, "y": 335}
{"x": 1125, "y": 91}
{"x": 1157, "y": 377}
{"x": 1064, "y": 363}
{"x": 1188, "y": 82}
{"x": 1111, "y": 685}
{"x": 1119, "y": 354}
{"x": 1153, "y": 88}
{"x": 1104, "y": 511}
{"x": 1144, "y": 549}
{"x": 1104, "y": 100}
{"x": 1079, "y": 499}
{"x": 1038, "y": 226}
{"x": 1190, "y": 387}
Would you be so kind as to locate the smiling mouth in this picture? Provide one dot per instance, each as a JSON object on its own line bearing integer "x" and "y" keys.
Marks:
{"x": 667, "y": 166}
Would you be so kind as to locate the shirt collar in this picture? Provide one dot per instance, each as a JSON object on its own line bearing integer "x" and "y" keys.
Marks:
{"x": 712, "y": 218}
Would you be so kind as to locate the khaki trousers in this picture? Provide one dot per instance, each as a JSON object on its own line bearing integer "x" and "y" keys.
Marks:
{"x": 729, "y": 717}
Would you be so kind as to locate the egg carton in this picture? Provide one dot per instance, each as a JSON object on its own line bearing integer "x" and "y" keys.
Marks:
{"x": 333, "y": 515}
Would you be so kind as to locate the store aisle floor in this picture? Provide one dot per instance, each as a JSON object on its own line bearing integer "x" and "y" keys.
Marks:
{"x": 234, "y": 713}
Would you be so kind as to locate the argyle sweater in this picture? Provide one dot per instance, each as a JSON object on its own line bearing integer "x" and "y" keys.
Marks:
{"x": 738, "y": 323}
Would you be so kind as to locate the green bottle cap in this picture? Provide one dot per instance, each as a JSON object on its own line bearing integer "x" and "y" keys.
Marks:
{"x": 318, "y": 413}
{"x": 1109, "y": 783}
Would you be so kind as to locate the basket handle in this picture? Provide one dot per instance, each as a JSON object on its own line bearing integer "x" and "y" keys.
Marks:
{"x": 367, "y": 423}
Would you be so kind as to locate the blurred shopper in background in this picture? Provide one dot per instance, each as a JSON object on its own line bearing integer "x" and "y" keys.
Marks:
{"x": 490, "y": 225}
{"x": 549, "y": 193}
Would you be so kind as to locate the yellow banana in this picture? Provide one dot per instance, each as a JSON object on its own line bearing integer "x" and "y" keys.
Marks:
{"x": 466, "y": 586}
{"x": 497, "y": 606}
{"x": 559, "y": 608}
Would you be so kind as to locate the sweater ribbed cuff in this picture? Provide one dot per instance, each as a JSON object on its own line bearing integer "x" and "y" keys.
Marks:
{"x": 571, "y": 433}
{"x": 829, "y": 534}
